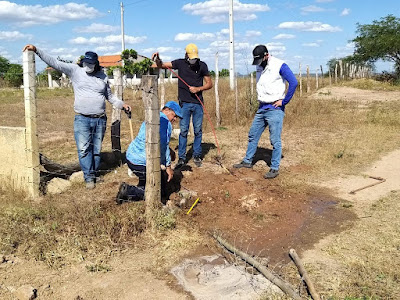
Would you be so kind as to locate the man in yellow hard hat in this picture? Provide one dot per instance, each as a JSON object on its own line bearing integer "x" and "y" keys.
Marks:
{"x": 197, "y": 79}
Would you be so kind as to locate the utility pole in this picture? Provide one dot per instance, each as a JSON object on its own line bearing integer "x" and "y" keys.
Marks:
{"x": 231, "y": 48}
{"x": 122, "y": 27}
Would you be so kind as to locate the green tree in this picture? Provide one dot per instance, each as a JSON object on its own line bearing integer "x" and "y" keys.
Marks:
{"x": 379, "y": 40}
{"x": 212, "y": 73}
{"x": 4, "y": 65}
{"x": 224, "y": 73}
{"x": 14, "y": 75}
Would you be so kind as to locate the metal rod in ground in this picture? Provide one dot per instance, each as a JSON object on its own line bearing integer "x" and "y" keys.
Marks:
{"x": 304, "y": 274}
{"x": 284, "y": 286}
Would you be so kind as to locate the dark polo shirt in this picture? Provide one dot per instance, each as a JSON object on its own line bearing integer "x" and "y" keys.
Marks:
{"x": 191, "y": 77}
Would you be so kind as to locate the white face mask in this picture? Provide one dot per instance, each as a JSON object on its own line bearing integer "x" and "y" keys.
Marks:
{"x": 89, "y": 68}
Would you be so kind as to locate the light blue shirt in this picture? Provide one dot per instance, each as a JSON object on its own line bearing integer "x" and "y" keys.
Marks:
{"x": 90, "y": 90}
{"x": 136, "y": 152}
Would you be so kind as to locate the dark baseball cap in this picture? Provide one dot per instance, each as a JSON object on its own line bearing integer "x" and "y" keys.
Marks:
{"x": 90, "y": 58}
{"x": 258, "y": 54}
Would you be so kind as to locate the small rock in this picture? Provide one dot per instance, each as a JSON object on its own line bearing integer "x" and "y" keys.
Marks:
{"x": 26, "y": 292}
{"x": 57, "y": 186}
{"x": 76, "y": 177}
{"x": 249, "y": 202}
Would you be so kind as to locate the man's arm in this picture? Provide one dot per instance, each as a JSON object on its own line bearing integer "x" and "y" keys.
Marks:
{"x": 288, "y": 75}
{"x": 208, "y": 85}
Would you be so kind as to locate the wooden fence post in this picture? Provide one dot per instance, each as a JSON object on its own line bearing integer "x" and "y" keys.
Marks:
{"x": 308, "y": 79}
{"x": 153, "y": 170}
{"x": 330, "y": 77}
{"x": 322, "y": 76}
{"x": 31, "y": 136}
{"x": 236, "y": 99}
{"x": 251, "y": 87}
{"x": 217, "y": 112}
{"x": 300, "y": 81}
{"x": 116, "y": 117}
{"x": 316, "y": 79}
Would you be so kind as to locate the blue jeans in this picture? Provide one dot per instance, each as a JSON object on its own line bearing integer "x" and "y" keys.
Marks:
{"x": 89, "y": 134}
{"x": 196, "y": 111}
{"x": 273, "y": 118}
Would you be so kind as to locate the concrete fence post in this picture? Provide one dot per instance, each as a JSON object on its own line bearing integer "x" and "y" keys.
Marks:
{"x": 162, "y": 87}
{"x": 50, "y": 78}
{"x": 217, "y": 113}
{"x": 153, "y": 170}
{"x": 116, "y": 116}
{"x": 300, "y": 82}
{"x": 31, "y": 136}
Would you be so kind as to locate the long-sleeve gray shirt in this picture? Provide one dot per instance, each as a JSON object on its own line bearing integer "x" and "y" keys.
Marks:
{"x": 91, "y": 90}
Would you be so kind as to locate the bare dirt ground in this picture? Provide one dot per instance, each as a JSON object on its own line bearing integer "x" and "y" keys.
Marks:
{"x": 256, "y": 215}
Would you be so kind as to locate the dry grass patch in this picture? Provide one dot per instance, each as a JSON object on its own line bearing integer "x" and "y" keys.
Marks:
{"x": 368, "y": 254}
{"x": 74, "y": 231}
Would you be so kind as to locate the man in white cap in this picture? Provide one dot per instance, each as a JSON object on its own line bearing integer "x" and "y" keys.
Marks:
{"x": 271, "y": 76}
{"x": 195, "y": 73}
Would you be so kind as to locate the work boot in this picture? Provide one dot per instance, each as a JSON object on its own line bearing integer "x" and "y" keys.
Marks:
{"x": 197, "y": 161}
{"x": 271, "y": 174}
{"x": 90, "y": 185}
{"x": 122, "y": 194}
{"x": 242, "y": 164}
{"x": 180, "y": 163}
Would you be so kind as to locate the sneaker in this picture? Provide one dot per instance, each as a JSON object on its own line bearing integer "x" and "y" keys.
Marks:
{"x": 180, "y": 163}
{"x": 197, "y": 161}
{"x": 271, "y": 174}
{"x": 242, "y": 164}
{"x": 122, "y": 193}
{"x": 90, "y": 185}
{"x": 99, "y": 179}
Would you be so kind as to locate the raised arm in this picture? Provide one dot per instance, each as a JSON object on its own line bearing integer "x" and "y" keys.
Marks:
{"x": 63, "y": 67}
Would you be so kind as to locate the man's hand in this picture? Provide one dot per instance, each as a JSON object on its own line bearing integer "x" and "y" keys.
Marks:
{"x": 277, "y": 103}
{"x": 170, "y": 173}
{"x": 126, "y": 107}
{"x": 29, "y": 47}
{"x": 194, "y": 89}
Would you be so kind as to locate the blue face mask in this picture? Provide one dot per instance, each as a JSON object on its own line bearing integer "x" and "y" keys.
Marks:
{"x": 89, "y": 68}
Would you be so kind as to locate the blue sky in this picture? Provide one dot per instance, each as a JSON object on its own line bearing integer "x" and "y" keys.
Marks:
{"x": 309, "y": 32}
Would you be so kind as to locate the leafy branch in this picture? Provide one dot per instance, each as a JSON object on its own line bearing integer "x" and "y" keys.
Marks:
{"x": 128, "y": 57}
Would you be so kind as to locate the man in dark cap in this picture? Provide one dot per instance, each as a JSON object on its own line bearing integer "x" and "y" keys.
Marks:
{"x": 271, "y": 76}
{"x": 91, "y": 89}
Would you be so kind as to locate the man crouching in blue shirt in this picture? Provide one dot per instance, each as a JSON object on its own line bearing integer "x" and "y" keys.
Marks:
{"x": 271, "y": 76}
{"x": 136, "y": 155}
